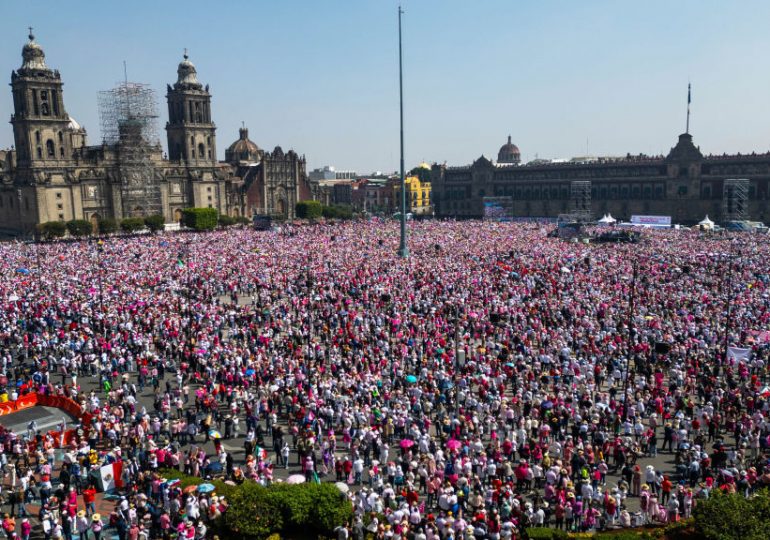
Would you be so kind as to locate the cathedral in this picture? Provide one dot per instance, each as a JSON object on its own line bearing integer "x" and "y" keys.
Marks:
{"x": 53, "y": 174}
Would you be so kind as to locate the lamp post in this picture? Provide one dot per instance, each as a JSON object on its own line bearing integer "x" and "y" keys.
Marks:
{"x": 630, "y": 342}
{"x": 403, "y": 250}
{"x": 728, "y": 321}
{"x": 99, "y": 251}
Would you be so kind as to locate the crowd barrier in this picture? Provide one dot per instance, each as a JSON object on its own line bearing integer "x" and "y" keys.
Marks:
{"x": 43, "y": 400}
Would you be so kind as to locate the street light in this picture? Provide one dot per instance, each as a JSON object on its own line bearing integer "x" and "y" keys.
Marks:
{"x": 403, "y": 250}
{"x": 99, "y": 251}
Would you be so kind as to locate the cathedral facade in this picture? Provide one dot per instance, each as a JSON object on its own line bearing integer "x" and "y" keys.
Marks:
{"x": 52, "y": 174}
{"x": 684, "y": 184}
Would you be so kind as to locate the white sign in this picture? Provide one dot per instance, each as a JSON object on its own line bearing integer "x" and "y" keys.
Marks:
{"x": 651, "y": 220}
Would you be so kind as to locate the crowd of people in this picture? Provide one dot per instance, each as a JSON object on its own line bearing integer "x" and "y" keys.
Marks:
{"x": 497, "y": 378}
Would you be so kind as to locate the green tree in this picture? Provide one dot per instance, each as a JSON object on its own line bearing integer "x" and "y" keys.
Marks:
{"x": 200, "y": 219}
{"x": 132, "y": 224}
{"x": 155, "y": 223}
{"x": 79, "y": 227}
{"x": 52, "y": 229}
{"x": 309, "y": 209}
{"x": 226, "y": 221}
{"x": 733, "y": 517}
{"x": 107, "y": 226}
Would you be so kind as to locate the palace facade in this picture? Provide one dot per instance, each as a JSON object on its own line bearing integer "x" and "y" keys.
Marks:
{"x": 684, "y": 184}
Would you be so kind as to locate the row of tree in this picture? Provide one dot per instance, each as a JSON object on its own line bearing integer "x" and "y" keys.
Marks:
{"x": 199, "y": 219}
{"x": 315, "y": 210}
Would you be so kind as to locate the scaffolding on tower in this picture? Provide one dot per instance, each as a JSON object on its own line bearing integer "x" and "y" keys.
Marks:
{"x": 129, "y": 116}
{"x": 735, "y": 199}
{"x": 580, "y": 201}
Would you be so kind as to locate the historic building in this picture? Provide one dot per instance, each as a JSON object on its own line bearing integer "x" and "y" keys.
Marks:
{"x": 418, "y": 192}
{"x": 53, "y": 174}
{"x": 684, "y": 184}
{"x": 273, "y": 182}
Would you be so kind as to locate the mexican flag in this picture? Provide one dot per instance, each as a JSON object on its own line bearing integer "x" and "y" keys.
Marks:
{"x": 260, "y": 453}
{"x": 111, "y": 476}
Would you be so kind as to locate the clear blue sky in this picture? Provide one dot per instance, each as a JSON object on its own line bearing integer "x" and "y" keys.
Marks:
{"x": 321, "y": 76}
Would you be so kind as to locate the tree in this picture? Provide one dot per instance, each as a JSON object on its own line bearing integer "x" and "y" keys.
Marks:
{"x": 107, "y": 226}
{"x": 132, "y": 224}
{"x": 52, "y": 229}
{"x": 155, "y": 223}
{"x": 200, "y": 219}
{"x": 226, "y": 221}
{"x": 79, "y": 228}
{"x": 309, "y": 209}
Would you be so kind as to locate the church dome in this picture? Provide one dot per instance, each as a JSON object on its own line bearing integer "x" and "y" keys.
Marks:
{"x": 243, "y": 149}
{"x": 509, "y": 153}
{"x": 187, "y": 75}
{"x": 33, "y": 55}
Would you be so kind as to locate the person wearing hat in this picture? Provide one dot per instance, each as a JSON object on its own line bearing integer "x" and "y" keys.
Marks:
{"x": 97, "y": 526}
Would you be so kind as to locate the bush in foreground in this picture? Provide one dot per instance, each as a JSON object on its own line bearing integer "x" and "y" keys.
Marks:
{"x": 155, "y": 223}
{"x": 132, "y": 224}
{"x": 108, "y": 226}
{"x": 52, "y": 229}
{"x": 79, "y": 228}
{"x": 200, "y": 219}
{"x": 256, "y": 512}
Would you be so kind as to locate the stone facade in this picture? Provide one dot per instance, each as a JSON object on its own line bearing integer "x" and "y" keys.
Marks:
{"x": 685, "y": 185}
{"x": 52, "y": 173}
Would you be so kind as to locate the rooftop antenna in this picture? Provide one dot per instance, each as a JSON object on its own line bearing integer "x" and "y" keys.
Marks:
{"x": 31, "y": 35}
{"x": 689, "y": 99}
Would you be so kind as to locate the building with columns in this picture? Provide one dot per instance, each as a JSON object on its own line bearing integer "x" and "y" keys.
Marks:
{"x": 684, "y": 184}
{"x": 52, "y": 173}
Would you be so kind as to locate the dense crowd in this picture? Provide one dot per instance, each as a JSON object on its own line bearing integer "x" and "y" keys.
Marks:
{"x": 495, "y": 379}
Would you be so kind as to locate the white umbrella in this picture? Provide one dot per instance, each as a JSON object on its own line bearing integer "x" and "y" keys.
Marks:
{"x": 342, "y": 486}
{"x": 296, "y": 479}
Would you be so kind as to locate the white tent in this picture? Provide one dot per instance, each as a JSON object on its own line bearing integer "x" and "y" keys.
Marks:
{"x": 706, "y": 224}
{"x": 607, "y": 220}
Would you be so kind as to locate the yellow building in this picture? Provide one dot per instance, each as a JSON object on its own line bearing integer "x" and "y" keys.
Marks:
{"x": 417, "y": 191}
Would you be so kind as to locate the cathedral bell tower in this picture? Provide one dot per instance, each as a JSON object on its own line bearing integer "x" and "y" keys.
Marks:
{"x": 39, "y": 120}
{"x": 190, "y": 131}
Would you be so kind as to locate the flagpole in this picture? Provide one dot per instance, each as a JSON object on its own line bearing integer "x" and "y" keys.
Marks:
{"x": 689, "y": 99}
{"x": 403, "y": 250}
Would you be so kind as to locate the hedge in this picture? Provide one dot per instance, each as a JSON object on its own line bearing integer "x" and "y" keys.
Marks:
{"x": 52, "y": 229}
{"x": 337, "y": 211}
{"x": 155, "y": 223}
{"x": 255, "y": 512}
{"x": 132, "y": 224}
{"x": 107, "y": 226}
{"x": 79, "y": 227}
{"x": 200, "y": 219}
{"x": 226, "y": 221}
{"x": 309, "y": 209}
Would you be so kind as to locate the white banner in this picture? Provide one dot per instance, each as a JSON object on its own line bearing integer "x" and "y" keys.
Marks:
{"x": 107, "y": 474}
{"x": 737, "y": 354}
{"x": 651, "y": 220}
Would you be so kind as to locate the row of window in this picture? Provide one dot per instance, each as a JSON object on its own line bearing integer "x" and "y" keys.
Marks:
{"x": 43, "y": 102}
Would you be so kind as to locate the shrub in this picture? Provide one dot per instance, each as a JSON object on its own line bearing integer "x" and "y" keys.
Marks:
{"x": 132, "y": 224}
{"x": 107, "y": 226}
{"x": 337, "y": 211}
{"x": 242, "y": 220}
{"x": 226, "y": 221}
{"x": 732, "y": 517}
{"x": 155, "y": 223}
{"x": 540, "y": 533}
{"x": 251, "y": 514}
{"x": 200, "y": 219}
{"x": 79, "y": 227}
{"x": 52, "y": 229}
{"x": 309, "y": 209}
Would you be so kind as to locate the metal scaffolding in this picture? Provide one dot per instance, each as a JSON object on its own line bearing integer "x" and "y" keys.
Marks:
{"x": 580, "y": 201}
{"x": 735, "y": 199}
{"x": 129, "y": 115}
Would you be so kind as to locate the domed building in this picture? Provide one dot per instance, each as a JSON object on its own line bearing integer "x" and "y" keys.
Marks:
{"x": 52, "y": 174}
{"x": 509, "y": 153}
{"x": 243, "y": 150}
{"x": 273, "y": 182}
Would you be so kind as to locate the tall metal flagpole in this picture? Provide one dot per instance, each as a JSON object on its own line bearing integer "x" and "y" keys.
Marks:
{"x": 689, "y": 99}
{"x": 403, "y": 251}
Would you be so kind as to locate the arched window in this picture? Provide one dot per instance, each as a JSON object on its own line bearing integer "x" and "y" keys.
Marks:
{"x": 49, "y": 149}
{"x": 61, "y": 138}
{"x": 37, "y": 137}
{"x": 201, "y": 151}
{"x": 39, "y": 153}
